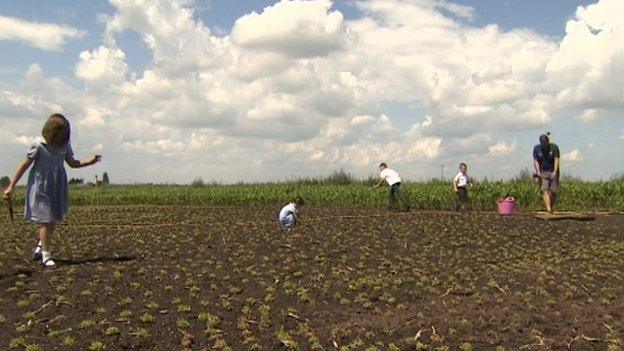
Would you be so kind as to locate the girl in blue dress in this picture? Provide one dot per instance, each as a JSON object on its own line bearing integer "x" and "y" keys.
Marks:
{"x": 47, "y": 190}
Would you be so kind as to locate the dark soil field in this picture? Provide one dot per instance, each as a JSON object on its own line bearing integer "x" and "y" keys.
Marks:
{"x": 227, "y": 278}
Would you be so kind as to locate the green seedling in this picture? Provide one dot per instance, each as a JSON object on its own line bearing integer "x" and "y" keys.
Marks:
{"x": 125, "y": 314}
{"x": 97, "y": 346}
{"x": 184, "y": 308}
{"x": 141, "y": 333}
{"x": 16, "y": 342}
{"x": 112, "y": 331}
{"x": 147, "y": 318}
{"x": 69, "y": 341}
{"x": 183, "y": 323}
{"x": 86, "y": 324}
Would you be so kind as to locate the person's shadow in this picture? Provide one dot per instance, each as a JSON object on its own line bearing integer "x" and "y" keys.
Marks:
{"x": 102, "y": 259}
{"x": 69, "y": 262}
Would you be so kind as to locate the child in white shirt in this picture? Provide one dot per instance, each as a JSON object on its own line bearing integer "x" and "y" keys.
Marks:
{"x": 461, "y": 182}
{"x": 394, "y": 181}
{"x": 289, "y": 215}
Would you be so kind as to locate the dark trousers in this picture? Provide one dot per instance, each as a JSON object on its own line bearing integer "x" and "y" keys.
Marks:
{"x": 397, "y": 196}
{"x": 464, "y": 200}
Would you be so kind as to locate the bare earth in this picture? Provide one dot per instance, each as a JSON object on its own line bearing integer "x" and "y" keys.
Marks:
{"x": 228, "y": 277}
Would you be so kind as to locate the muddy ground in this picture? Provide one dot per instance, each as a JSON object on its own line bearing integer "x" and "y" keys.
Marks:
{"x": 348, "y": 278}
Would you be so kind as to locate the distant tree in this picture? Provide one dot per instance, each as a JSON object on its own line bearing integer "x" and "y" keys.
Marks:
{"x": 340, "y": 177}
{"x": 76, "y": 181}
{"x": 198, "y": 183}
{"x": 524, "y": 175}
{"x": 105, "y": 180}
{"x": 4, "y": 182}
{"x": 619, "y": 177}
{"x": 571, "y": 178}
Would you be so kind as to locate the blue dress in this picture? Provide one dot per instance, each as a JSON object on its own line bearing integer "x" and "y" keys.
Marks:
{"x": 46, "y": 190}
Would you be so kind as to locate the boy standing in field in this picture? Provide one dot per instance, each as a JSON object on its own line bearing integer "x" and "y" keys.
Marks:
{"x": 546, "y": 163}
{"x": 289, "y": 215}
{"x": 394, "y": 181}
{"x": 461, "y": 182}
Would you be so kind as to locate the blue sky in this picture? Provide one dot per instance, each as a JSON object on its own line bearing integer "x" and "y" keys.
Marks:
{"x": 496, "y": 144}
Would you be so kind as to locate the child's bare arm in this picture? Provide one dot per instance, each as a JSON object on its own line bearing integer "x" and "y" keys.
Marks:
{"x": 73, "y": 163}
{"x": 380, "y": 182}
{"x": 19, "y": 172}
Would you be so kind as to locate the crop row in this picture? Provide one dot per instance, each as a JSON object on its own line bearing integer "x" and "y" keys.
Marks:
{"x": 574, "y": 196}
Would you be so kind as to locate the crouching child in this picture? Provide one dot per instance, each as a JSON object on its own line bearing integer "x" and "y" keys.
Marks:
{"x": 290, "y": 214}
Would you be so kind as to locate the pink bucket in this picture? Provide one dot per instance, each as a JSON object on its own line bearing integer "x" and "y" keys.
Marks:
{"x": 506, "y": 206}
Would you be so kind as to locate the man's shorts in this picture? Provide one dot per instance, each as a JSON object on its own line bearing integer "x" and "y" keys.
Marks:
{"x": 550, "y": 183}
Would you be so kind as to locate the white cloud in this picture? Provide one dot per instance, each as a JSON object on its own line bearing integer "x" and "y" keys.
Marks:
{"x": 103, "y": 67}
{"x": 97, "y": 148}
{"x": 502, "y": 148}
{"x": 362, "y": 120}
{"x": 13, "y": 105}
{"x": 589, "y": 115}
{"x": 45, "y": 36}
{"x": 497, "y": 77}
{"x": 573, "y": 156}
{"x": 26, "y": 140}
{"x": 427, "y": 147}
{"x": 289, "y": 98}
{"x": 297, "y": 89}
{"x": 293, "y": 28}
{"x": 178, "y": 42}
{"x": 585, "y": 72}
{"x": 622, "y": 136}
{"x": 462, "y": 11}
{"x": 477, "y": 144}
{"x": 94, "y": 118}
{"x": 37, "y": 96}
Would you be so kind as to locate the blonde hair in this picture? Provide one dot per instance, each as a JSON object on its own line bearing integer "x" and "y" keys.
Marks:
{"x": 56, "y": 125}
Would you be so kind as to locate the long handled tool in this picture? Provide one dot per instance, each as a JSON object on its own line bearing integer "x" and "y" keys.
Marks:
{"x": 11, "y": 213}
{"x": 95, "y": 199}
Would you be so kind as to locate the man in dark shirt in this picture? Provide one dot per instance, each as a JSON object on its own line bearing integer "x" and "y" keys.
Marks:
{"x": 546, "y": 163}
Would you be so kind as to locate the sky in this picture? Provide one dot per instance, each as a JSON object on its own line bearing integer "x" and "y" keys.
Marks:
{"x": 173, "y": 90}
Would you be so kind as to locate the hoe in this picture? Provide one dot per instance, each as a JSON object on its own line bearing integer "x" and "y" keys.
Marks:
{"x": 10, "y": 206}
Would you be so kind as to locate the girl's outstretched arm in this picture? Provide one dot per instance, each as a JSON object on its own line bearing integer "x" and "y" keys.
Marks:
{"x": 73, "y": 163}
{"x": 19, "y": 172}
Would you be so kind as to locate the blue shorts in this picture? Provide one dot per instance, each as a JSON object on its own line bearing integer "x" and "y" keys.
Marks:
{"x": 288, "y": 221}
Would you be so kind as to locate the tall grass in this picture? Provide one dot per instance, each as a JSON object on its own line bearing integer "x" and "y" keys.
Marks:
{"x": 345, "y": 191}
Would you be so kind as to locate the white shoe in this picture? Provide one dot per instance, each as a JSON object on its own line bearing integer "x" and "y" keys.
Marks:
{"x": 46, "y": 260}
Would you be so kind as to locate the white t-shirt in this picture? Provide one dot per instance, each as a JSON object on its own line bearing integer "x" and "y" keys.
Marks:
{"x": 462, "y": 179}
{"x": 286, "y": 210}
{"x": 391, "y": 176}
